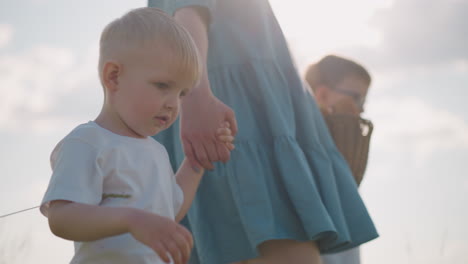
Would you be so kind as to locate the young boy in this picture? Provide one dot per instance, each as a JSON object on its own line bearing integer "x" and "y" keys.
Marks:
{"x": 113, "y": 190}
{"x": 340, "y": 86}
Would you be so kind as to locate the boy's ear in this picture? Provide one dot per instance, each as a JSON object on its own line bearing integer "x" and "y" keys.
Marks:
{"x": 110, "y": 75}
{"x": 321, "y": 95}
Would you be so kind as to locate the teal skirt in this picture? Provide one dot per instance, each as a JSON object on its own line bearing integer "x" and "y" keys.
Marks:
{"x": 285, "y": 179}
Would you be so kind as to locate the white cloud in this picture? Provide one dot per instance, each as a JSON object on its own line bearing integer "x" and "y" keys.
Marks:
{"x": 461, "y": 66}
{"x": 420, "y": 33}
{"x": 45, "y": 87}
{"x": 6, "y": 34}
{"x": 454, "y": 251}
{"x": 411, "y": 125}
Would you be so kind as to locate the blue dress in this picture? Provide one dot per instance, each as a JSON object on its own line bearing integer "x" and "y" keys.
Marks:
{"x": 285, "y": 179}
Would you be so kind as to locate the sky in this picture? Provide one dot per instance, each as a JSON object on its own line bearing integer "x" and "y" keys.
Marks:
{"x": 416, "y": 182}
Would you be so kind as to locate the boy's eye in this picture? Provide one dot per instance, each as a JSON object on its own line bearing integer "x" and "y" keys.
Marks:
{"x": 183, "y": 93}
{"x": 161, "y": 85}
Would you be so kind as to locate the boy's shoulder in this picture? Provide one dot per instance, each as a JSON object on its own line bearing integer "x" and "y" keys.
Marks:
{"x": 160, "y": 148}
{"x": 82, "y": 135}
{"x": 104, "y": 141}
{"x": 100, "y": 138}
{"x": 89, "y": 133}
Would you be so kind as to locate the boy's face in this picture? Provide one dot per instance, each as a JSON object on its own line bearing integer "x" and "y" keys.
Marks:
{"x": 347, "y": 97}
{"x": 148, "y": 94}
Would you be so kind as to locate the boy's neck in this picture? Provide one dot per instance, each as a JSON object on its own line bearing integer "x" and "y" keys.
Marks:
{"x": 111, "y": 121}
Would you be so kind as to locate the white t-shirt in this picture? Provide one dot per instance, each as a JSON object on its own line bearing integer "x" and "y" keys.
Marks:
{"x": 92, "y": 165}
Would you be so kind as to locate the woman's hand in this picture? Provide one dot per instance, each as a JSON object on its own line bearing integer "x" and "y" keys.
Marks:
{"x": 200, "y": 118}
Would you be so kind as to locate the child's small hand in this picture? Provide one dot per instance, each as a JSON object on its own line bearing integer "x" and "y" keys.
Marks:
{"x": 224, "y": 134}
{"x": 163, "y": 235}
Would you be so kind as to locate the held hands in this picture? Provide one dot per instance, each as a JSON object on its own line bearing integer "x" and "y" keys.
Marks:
{"x": 163, "y": 235}
{"x": 199, "y": 123}
{"x": 224, "y": 135}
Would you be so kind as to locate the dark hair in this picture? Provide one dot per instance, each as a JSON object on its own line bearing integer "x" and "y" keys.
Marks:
{"x": 332, "y": 69}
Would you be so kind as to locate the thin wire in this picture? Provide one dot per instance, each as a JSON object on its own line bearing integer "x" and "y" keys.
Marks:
{"x": 2, "y": 216}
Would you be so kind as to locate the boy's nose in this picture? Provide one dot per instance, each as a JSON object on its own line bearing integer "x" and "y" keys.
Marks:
{"x": 172, "y": 102}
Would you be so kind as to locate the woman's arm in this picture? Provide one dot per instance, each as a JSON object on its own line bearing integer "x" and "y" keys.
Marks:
{"x": 201, "y": 111}
{"x": 194, "y": 20}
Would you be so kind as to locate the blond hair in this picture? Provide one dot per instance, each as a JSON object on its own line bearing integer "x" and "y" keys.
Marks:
{"x": 150, "y": 27}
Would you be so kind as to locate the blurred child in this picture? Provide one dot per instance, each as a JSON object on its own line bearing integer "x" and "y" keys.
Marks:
{"x": 340, "y": 88}
{"x": 113, "y": 190}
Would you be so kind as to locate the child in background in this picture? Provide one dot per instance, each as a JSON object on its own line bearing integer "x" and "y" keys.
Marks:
{"x": 113, "y": 190}
{"x": 340, "y": 88}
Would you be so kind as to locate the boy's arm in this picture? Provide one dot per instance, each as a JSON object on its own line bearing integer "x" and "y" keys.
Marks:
{"x": 188, "y": 179}
{"x": 83, "y": 222}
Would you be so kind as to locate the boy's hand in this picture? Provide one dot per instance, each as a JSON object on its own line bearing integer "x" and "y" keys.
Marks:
{"x": 163, "y": 235}
{"x": 224, "y": 134}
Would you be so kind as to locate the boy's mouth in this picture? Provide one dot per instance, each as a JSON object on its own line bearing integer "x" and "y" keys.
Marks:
{"x": 162, "y": 119}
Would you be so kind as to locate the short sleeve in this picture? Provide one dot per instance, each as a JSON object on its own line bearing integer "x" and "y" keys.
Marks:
{"x": 76, "y": 176}
{"x": 170, "y": 6}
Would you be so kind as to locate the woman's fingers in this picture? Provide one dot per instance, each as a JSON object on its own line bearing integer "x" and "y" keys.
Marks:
{"x": 230, "y": 146}
{"x": 201, "y": 155}
{"x": 223, "y": 151}
{"x": 190, "y": 154}
{"x": 211, "y": 150}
